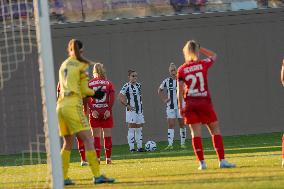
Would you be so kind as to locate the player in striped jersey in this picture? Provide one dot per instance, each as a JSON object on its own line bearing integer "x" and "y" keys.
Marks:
{"x": 168, "y": 93}
{"x": 130, "y": 97}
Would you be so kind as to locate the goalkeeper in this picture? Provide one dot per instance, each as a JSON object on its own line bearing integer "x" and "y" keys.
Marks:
{"x": 73, "y": 81}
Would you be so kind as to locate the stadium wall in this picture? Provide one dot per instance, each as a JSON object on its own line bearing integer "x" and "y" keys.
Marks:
{"x": 244, "y": 82}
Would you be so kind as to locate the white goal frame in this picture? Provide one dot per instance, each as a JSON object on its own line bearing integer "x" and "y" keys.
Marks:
{"x": 48, "y": 88}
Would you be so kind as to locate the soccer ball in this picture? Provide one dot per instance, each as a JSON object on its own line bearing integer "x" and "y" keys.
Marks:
{"x": 150, "y": 146}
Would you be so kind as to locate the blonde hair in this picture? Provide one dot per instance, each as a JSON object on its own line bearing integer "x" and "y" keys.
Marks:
{"x": 99, "y": 70}
{"x": 191, "y": 48}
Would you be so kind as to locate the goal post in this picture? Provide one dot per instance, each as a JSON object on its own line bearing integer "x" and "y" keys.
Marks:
{"x": 48, "y": 88}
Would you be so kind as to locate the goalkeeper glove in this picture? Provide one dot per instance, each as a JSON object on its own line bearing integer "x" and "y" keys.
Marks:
{"x": 99, "y": 94}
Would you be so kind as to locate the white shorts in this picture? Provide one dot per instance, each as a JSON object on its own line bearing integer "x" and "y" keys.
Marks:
{"x": 173, "y": 114}
{"x": 133, "y": 117}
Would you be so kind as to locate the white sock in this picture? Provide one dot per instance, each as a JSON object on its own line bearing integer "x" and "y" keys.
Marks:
{"x": 130, "y": 138}
{"x": 182, "y": 132}
{"x": 138, "y": 137}
{"x": 171, "y": 134}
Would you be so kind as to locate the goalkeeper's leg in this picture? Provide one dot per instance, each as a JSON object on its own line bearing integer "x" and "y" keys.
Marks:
{"x": 65, "y": 154}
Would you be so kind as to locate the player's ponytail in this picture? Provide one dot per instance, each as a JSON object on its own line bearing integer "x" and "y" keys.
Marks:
{"x": 99, "y": 70}
{"x": 75, "y": 46}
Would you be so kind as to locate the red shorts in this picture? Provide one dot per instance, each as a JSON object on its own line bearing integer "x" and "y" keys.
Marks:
{"x": 198, "y": 111}
{"x": 101, "y": 123}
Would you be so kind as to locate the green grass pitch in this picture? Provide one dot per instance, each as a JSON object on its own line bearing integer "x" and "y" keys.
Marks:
{"x": 258, "y": 159}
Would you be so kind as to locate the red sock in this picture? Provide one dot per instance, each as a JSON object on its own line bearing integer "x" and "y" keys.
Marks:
{"x": 81, "y": 149}
{"x": 107, "y": 146}
{"x": 218, "y": 145}
{"x": 283, "y": 147}
{"x": 197, "y": 147}
{"x": 97, "y": 142}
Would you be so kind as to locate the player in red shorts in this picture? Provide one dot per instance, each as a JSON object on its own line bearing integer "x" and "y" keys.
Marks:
{"x": 198, "y": 108}
{"x": 282, "y": 80}
{"x": 100, "y": 111}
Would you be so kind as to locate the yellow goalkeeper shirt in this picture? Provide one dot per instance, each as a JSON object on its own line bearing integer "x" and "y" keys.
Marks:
{"x": 73, "y": 79}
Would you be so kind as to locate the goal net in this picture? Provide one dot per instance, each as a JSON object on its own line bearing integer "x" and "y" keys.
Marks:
{"x": 29, "y": 156}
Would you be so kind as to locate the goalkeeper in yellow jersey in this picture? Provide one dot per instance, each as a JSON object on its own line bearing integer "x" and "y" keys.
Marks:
{"x": 73, "y": 81}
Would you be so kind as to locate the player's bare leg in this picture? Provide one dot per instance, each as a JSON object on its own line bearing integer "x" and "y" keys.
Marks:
{"x": 182, "y": 129}
{"x": 196, "y": 134}
{"x": 217, "y": 141}
{"x": 65, "y": 156}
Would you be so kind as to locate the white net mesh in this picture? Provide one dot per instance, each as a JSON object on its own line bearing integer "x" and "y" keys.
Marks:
{"x": 23, "y": 155}
{"x": 17, "y": 35}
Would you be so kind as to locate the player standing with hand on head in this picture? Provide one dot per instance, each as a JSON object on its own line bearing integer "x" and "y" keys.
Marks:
{"x": 169, "y": 86}
{"x": 198, "y": 108}
{"x": 73, "y": 82}
{"x": 130, "y": 97}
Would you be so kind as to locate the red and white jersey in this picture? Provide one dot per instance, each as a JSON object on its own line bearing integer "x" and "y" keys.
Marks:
{"x": 194, "y": 75}
{"x": 107, "y": 101}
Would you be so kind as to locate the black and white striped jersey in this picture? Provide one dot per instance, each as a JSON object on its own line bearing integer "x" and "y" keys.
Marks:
{"x": 133, "y": 96}
{"x": 171, "y": 86}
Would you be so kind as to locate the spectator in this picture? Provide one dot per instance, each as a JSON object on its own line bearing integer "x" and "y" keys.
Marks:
{"x": 179, "y": 5}
{"x": 57, "y": 11}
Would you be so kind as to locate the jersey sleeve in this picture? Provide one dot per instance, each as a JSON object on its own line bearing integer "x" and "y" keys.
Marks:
{"x": 124, "y": 89}
{"x": 163, "y": 85}
{"x": 111, "y": 87}
{"x": 208, "y": 61}
{"x": 180, "y": 76}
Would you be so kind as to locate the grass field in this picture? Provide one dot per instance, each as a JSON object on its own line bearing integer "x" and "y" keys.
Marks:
{"x": 258, "y": 158}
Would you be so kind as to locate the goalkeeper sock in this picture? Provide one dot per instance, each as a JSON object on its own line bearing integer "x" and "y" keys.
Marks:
{"x": 219, "y": 146}
{"x": 65, "y": 156}
{"x": 93, "y": 162}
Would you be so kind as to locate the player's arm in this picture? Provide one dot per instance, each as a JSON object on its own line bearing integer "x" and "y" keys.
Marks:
{"x": 111, "y": 98}
{"x": 163, "y": 95}
{"x": 282, "y": 73}
{"x": 208, "y": 53}
{"x": 123, "y": 101}
{"x": 180, "y": 94}
{"x": 86, "y": 105}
